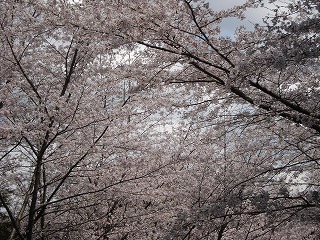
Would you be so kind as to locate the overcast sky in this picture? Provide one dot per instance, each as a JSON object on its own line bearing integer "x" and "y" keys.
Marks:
{"x": 229, "y": 25}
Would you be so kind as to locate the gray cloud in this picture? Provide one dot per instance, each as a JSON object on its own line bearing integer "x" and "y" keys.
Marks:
{"x": 253, "y": 16}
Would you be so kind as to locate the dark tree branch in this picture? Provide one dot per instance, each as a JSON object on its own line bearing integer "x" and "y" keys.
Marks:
{"x": 12, "y": 218}
{"x": 17, "y": 61}
{"x": 37, "y": 177}
{"x": 221, "y": 230}
{"x": 185, "y": 54}
{"x": 237, "y": 91}
{"x": 280, "y": 99}
{"x": 69, "y": 73}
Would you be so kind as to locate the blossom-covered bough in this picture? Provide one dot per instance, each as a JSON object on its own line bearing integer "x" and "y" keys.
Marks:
{"x": 89, "y": 88}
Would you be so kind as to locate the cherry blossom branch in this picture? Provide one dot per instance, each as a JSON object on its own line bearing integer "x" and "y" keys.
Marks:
{"x": 64, "y": 178}
{"x": 185, "y": 54}
{"x": 206, "y": 37}
{"x": 17, "y": 61}
{"x": 247, "y": 98}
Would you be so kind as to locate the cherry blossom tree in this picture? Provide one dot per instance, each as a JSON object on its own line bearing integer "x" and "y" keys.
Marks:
{"x": 91, "y": 149}
{"x": 267, "y": 80}
{"x": 69, "y": 133}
